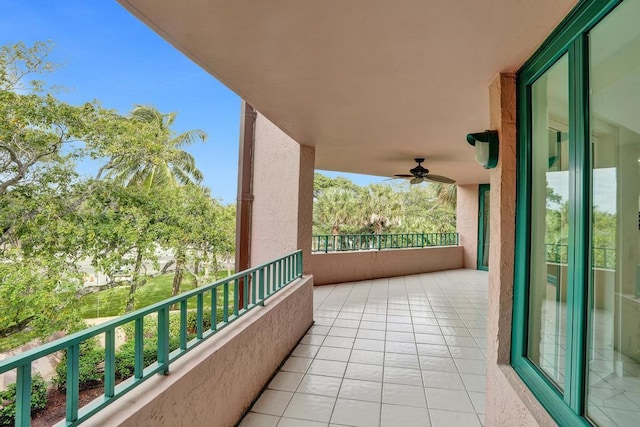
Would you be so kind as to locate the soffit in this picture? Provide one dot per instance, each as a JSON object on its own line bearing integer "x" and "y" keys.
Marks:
{"x": 370, "y": 83}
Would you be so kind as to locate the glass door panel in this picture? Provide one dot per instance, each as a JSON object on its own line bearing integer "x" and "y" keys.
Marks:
{"x": 549, "y": 222}
{"x": 613, "y": 369}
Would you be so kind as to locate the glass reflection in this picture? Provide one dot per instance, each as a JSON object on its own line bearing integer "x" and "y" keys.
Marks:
{"x": 549, "y": 222}
{"x": 613, "y": 390}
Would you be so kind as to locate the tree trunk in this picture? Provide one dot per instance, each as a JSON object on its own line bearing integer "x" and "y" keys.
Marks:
{"x": 196, "y": 265}
{"x": 17, "y": 327}
{"x": 136, "y": 282}
{"x": 177, "y": 276}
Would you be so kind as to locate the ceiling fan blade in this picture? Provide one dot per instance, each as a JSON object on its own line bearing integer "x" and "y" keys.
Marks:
{"x": 403, "y": 176}
{"x": 440, "y": 178}
{"x": 416, "y": 180}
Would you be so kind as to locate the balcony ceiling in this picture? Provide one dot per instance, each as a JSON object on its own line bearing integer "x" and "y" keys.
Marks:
{"x": 370, "y": 83}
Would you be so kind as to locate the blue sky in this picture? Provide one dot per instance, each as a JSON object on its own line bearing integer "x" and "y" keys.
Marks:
{"x": 108, "y": 55}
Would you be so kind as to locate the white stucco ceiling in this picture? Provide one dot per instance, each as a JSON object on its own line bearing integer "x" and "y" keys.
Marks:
{"x": 370, "y": 83}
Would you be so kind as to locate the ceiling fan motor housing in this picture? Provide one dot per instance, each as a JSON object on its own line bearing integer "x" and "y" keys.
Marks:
{"x": 419, "y": 171}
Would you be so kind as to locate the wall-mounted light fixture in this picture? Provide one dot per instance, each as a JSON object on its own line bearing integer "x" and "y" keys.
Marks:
{"x": 486, "y": 144}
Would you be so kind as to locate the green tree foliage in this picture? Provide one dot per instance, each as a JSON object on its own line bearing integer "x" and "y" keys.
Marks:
{"x": 427, "y": 211}
{"x": 145, "y": 197}
{"x": 384, "y": 209}
{"x": 200, "y": 231}
{"x": 337, "y": 210}
{"x": 322, "y": 182}
{"x": 158, "y": 160}
{"x": 39, "y": 193}
{"x": 342, "y": 207}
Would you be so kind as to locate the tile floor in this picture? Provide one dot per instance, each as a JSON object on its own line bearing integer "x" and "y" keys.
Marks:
{"x": 405, "y": 351}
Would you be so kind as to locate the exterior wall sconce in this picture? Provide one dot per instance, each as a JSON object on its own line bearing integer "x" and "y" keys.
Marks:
{"x": 486, "y": 144}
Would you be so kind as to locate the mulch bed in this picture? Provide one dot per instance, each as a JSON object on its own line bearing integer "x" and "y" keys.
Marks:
{"x": 56, "y": 406}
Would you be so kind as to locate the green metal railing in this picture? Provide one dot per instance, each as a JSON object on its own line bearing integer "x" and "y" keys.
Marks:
{"x": 258, "y": 284}
{"x": 601, "y": 257}
{"x": 367, "y": 242}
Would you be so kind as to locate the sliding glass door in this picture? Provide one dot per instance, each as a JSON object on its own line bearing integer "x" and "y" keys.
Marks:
{"x": 576, "y": 331}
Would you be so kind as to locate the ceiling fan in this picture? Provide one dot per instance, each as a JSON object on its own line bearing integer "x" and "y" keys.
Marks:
{"x": 420, "y": 173}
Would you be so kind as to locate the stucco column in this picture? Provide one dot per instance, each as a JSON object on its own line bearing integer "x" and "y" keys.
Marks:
{"x": 509, "y": 401}
{"x": 283, "y": 194}
{"x": 467, "y": 223}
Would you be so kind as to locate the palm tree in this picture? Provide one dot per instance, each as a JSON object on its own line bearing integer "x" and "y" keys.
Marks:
{"x": 384, "y": 207}
{"x": 446, "y": 194}
{"x": 335, "y": 208}
{"x": 159, "y": 160}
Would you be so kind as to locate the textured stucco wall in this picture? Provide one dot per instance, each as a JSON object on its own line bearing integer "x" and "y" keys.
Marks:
{"x": 467, "y": 222}
{"x": 283, "y": 194}
{"x": 509, "y": 401}
{"x": 305, "y": 202}
{"x": 215, "y": 383}
{"x": 364, "y": 265}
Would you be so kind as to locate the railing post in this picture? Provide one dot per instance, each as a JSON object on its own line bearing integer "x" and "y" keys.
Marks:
{"x": 326, "y": 243}
{"x": 183, "y": 324}
{"x": 269, "y": 279}
{"x": 199, "y": 315}
{"x": 261, "y": 286}
{"x": 214, "y": 308}
{"x": 236, "y": 297}
{"x": 245, "y": 292}
{"x": 138, "y": 344}
{"x": 73, "y": 368}
{"x": 281, "y": 275}
{"x": 253, "y": 287}
{"x": 23, "y": 396}
{"x": 163, "y": 338}
{"x": 109, "y": 362}
{"x": 292, "y": 267}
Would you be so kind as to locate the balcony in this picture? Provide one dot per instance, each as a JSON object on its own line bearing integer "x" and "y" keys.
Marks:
{"x": 404, "y": 351}
{"x": 408, "y": 348}
{"x": 355, "y": 257}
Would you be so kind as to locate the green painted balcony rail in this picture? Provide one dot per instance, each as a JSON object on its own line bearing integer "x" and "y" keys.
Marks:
{"x": 367, "y": 242}
{"x": 258, "y": 284}
{"x": 601, "y": 257}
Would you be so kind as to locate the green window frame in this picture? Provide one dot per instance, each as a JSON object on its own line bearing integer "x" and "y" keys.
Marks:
{"x": 567, "y": 407}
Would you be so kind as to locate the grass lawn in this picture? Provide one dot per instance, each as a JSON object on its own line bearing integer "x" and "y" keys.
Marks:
{"x": 111, "y": 302}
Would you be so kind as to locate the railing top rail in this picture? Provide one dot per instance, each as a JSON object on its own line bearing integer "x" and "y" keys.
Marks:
{"x": 362, "y": 242}
{"x": 31, "y": 355}
{"x": 384, "y": 234}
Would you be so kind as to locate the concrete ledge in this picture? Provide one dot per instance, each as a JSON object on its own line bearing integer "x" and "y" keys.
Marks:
{"x": 340, "y": 267}
{"x": 215, "y": 383}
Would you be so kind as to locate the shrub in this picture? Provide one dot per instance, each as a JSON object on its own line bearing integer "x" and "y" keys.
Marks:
{"x": 125, "y": 356}
{"x": 90, "y": 371}
{"x": 192, "y": 320}
{"x": 150, "y": 327}
{"x": 8, "y": 400}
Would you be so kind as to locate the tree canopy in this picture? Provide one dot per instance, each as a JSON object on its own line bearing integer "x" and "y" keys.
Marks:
{"x": 145, "y": 196}
{"x": 342, "y": 207}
